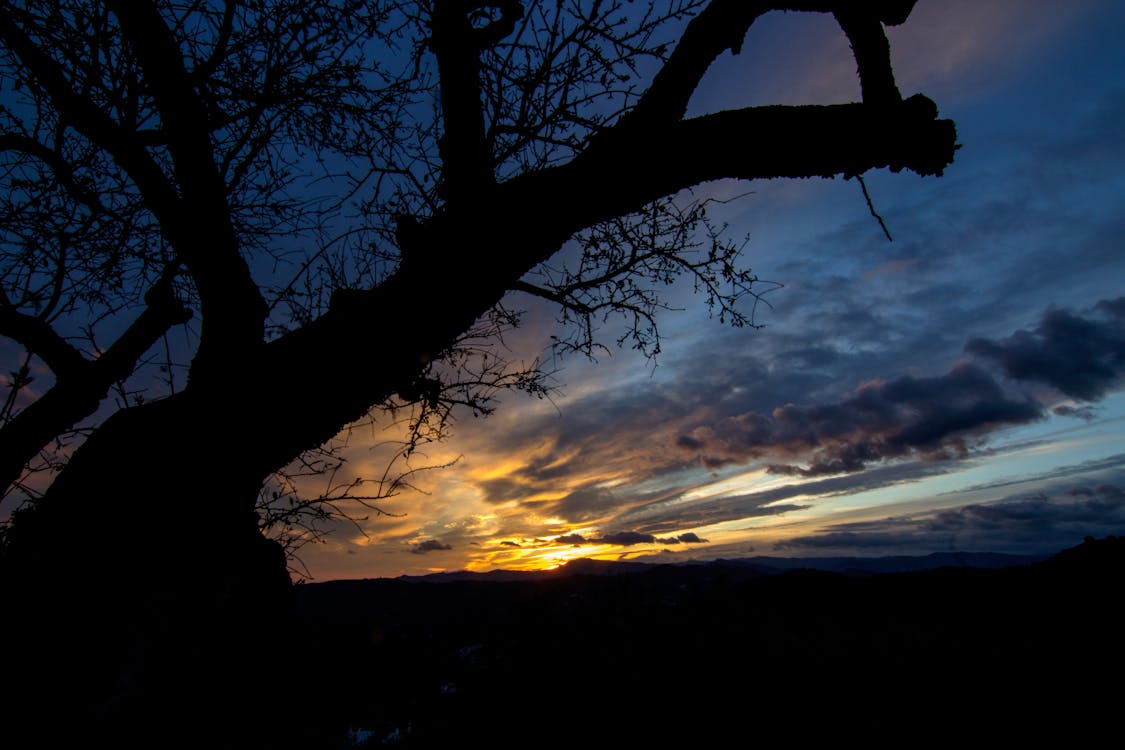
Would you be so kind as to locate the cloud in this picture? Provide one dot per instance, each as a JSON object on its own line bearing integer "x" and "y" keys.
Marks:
{"x": 430, "y": 545}
{"x": 629, "y": 538}
{"x": 575, "y": 539}
{"x": 1082, "y": 357}
{"x": 626, "y": 538}
{"x": 737, "y": 507}
{"x": 688, "y": 538}
{"x": 1042, "y": 522}
{"x": 935, "y": 417}
{"x": 1081, "y": 412}
{"x": 861, "y": 539}
{"x": 1097, "y": 505}
{"x": 501, "y": 489}
{"x": 583, "y": 504}
{"x": 508, "y": 543}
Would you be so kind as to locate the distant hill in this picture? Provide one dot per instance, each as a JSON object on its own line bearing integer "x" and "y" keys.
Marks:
{"x": 851, "y": 566}
{"x": 606, "y": 654}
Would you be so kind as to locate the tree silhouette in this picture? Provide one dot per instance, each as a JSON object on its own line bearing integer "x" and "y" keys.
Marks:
{"x": 328, "y": 208}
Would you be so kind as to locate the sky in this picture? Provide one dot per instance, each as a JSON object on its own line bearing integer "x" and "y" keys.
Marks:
{"x": 959, "y": 388}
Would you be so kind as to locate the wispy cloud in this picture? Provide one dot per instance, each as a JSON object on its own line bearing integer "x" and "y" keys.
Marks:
{"x": 1042, "y": 522}
{"x": 629, "y": 469}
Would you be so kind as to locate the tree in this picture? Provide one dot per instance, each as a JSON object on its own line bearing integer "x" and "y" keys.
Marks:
{"x": 333, "y": 204}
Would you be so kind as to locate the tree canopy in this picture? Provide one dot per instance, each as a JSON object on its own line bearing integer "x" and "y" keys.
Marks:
{"x": 281, "y": 214}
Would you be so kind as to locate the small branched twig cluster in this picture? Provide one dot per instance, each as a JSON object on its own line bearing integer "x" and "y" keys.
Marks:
{"x": 620, "y": 267}
{"x": 304, "y": 501}
{"x": 294, "y": 516}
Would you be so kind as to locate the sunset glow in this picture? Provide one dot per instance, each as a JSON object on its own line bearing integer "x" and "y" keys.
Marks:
{"x": 888, "y": 405}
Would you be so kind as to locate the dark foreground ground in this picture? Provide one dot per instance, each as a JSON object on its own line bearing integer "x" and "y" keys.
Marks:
{"x": 721, "y": 655}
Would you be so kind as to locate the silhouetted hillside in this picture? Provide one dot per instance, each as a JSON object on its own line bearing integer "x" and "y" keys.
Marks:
{"x": 703, "y": 653}
{"x": 851, "y": 566}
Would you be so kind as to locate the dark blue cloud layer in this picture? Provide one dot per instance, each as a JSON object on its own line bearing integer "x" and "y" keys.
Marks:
{"x": 1082, "y": 357}
{"x": 934, "y": 418}
{"x": 1043, "y": 522}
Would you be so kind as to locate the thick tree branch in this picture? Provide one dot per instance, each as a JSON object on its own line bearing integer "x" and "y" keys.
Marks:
{"x": 466, "y": 162}
{"x": 872, "y": 54}
{"x": 723, "y": 26}
{"x": 38, "y": 337}
{"x": 617, "y": 176}
{"x": 196, "y": 222}
{"x": 162, "y": 311}
{"x": 81, "y": 384}
{"x": 511, "y": 11}
{"x": 233, "y": 309}
{"x": 531, "y": 216}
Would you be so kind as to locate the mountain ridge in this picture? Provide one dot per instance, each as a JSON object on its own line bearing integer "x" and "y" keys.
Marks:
{"x": 884, "y": 653}
{"x": 767, "y": 565}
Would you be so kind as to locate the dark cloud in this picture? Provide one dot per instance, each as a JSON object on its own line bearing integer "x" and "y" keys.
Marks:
{"x": 625, "y": 538}
{"x": 936, "y": 417}
{"x": 688, "y": 538}
{"x": 1098, "y": 505}
{"x": 1083, "y": 357}
{"x": 510, "y": 544}
{"x": 584, "y": 504}
{"x": 685, "y": 539}
{"x": 1042, "y": 522}
{"x": 1081, "y": 412}
{"x": 502, "y": 489}
{"x": 1105, "y": 470}
{"x": 430, "y": 545}
{"x": 628, "y": 539}
{"x": 850, "y": 540}
{"x": 813, "y": 357}
{"x": 667, "y": 516}
{"x": 574, "y": 539}
{"x": 687, "y": 441}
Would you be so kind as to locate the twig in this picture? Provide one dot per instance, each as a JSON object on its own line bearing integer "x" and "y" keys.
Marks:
{"x": 871, "y": 208}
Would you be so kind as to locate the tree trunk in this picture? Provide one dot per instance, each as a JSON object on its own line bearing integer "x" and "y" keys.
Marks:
{"x": 140, "y": 591}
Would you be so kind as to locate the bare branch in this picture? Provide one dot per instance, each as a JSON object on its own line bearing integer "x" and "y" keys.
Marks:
{"x": 202, "y": 232}
{"x": 871, "y": 208}
{"x": 40, "y": 339}
{"x": 457, "y": 45}
{"x": 81, "y": 384}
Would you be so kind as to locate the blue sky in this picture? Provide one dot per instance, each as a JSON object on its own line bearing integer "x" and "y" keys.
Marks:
{"x": 957, "y": 388}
